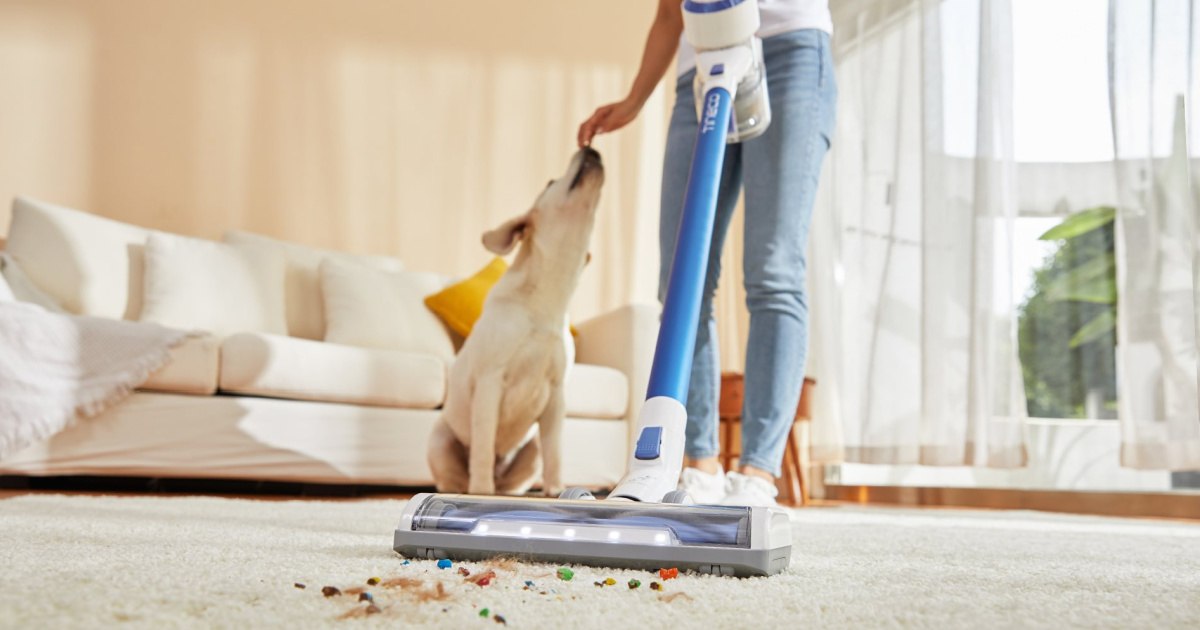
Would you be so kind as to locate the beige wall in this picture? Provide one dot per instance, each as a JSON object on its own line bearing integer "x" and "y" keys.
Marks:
{"x": 384, "y": 126}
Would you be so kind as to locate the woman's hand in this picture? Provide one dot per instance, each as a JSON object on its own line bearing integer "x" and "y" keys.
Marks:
{"x": 661, "y": 46}
{"x": 608, "y": 118}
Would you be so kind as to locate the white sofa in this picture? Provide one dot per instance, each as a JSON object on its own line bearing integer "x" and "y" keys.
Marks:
{"x": 276, "y": 407}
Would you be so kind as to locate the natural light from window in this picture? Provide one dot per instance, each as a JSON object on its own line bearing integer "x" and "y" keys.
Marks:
{"x": 1060, "y": 81}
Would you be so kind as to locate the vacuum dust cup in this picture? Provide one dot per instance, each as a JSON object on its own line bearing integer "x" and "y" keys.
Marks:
{"x": 717, "y": 29}
{"x": 751, "y": 105}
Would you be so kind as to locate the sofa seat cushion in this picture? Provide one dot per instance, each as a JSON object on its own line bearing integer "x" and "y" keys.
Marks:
{"x": 300, "y": 369}
{"x": 594, "y": 391}
{"x": 192, "y": 370}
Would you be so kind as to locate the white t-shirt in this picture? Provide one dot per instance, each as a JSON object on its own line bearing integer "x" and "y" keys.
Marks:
{"x": 776, "y": 17}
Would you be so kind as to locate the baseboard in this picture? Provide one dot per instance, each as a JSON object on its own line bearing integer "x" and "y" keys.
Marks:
{"x": 1173, "y": 505}
{"x": 17, "y": 484}
{"x": 159, "y": 485}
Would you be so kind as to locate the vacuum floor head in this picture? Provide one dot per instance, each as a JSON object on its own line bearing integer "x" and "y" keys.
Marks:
{"x": 710, "y": 539}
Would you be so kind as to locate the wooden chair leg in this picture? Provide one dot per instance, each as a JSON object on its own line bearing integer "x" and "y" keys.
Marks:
{"x": 792, "y": 472}
{"x": 799, "y": 448}
{"x": 726, "y": 442}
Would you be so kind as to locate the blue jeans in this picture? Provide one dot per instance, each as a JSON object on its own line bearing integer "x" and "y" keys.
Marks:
{"x": 780, "y": 170}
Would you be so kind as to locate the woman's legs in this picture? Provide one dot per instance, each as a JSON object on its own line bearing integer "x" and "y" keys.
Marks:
{"x": 702, "y": 445}
{"x": 781, "y": 171}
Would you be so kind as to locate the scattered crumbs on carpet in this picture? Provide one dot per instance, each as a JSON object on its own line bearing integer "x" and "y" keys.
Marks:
{"x": 358, "y": 612}
{"x": 401, "y": 582}
{"x": 503, "y": 564}
{"x": 420, "y": 591}
{"x": 433, "y": 594}
{"x": 481, "y": 579}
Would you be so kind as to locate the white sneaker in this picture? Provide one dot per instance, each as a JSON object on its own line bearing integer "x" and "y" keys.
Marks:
{"x": 748, "y": 491}
{"x": 705, "y": 489}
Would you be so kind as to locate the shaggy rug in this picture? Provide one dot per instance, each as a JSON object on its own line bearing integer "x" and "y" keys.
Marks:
{"x": 193, "y": 562}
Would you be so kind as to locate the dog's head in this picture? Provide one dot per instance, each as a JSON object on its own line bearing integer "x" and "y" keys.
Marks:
{"x": 562, "y": 215}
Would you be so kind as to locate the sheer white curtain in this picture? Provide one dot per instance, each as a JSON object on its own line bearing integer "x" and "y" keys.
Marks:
{"x": 1153, "y": 86}
{"x": 914, "y": 336}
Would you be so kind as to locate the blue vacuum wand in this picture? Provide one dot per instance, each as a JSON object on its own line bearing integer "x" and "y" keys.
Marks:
{"x": 732, "y": 105}
{"x": 645, "y": 522}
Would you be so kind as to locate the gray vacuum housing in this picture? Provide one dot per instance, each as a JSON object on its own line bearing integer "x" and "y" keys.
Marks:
{"x": 737, "y": 541}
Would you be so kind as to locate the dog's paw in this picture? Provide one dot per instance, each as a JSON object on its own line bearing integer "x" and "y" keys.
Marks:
{"x": 552, "y": 492}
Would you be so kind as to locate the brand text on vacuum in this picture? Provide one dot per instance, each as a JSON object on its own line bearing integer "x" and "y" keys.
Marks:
{"x": 710, "y": 113}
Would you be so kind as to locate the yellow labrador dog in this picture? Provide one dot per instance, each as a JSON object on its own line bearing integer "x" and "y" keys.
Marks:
{"x": 502, "y": 422}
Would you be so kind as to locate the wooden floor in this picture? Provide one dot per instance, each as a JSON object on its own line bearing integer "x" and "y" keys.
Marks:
{"x": 15, "y": 486}
{"x": 1177, "y": 506}
{"x": 10, "y": 494}
{"x": 1182, "y": 505}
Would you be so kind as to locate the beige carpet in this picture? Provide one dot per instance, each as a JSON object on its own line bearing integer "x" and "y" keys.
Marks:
{"x": 155, "y": 562}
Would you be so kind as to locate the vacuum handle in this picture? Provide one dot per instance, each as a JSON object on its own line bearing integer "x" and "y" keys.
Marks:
{"x": 671, "y": 371}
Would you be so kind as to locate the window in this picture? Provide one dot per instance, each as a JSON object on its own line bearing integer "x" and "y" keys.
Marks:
{"x": 1064, "y": 289}
{"x": 1060, "y": 81}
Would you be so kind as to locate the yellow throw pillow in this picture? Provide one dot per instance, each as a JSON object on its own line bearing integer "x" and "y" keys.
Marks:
{"x": 461, "y": 304}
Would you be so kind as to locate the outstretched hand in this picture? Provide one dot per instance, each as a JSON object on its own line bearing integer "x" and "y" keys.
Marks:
{"x": 607, "y": 118}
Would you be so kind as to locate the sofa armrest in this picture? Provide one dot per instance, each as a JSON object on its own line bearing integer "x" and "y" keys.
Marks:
{"x": 622, "y": 339}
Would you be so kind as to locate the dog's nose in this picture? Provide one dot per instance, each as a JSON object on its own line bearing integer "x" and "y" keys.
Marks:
{"x": 591, "y": 155}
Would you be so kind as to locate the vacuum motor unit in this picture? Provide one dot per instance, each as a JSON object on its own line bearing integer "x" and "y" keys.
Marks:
{"x": 713, "y": 27}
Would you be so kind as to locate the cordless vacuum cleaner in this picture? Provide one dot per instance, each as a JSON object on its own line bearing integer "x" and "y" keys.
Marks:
{"x": 645, "y": 523}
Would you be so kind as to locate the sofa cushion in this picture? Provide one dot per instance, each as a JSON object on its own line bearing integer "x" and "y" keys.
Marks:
{"x": 300, "y": 369}
{"x": 6, "y": 293}
{"x": 305, "y": 306}
{"x": 196, "y": 284}
{"x": 594, "y": 391}
{"x": 192, "y": 370}
{"x": 18, "y": 287}
{"x": 369, "y": 308}
{"x": 88, "y": 264}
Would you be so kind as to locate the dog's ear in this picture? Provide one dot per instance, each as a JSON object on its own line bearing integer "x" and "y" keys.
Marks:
{"x": 503, "y": 239}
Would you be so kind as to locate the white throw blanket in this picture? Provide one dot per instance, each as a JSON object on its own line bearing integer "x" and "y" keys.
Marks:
{"x": 57, "y": 368}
